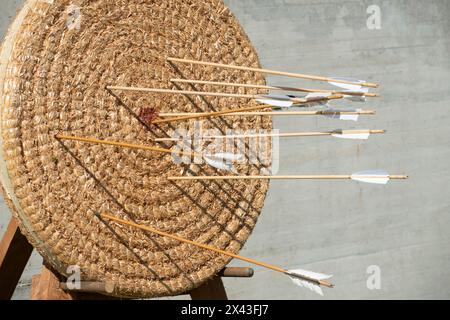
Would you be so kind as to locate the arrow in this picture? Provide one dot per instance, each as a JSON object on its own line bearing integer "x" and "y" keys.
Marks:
{"x": 283, "y": 101}
{"x": 217, "y": 160}
{"x": 273, "y": 72}
{"x": 308, "y": 279}
{"x": 276, "y": 88}
{"x": 298, "y": 277}
{"x": 350, "y": 85}
{"x": 342, "y": 134}
{"x": 374, "y": 177}
{"x": 317, "y": 96}
{"x": 352, "y": 115}
{"x": 346, "y": 116}
{"x": 287, "y": 101}
{"x": 208, "y": 114}
{"x": 355, "y": 134}
{"x": 280, "y": 101}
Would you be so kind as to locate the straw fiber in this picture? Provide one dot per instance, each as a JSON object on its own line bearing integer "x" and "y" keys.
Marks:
{"x": 53, "y": 75}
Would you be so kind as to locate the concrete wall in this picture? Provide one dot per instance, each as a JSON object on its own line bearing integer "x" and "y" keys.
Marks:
{"x": 342, "y": 227}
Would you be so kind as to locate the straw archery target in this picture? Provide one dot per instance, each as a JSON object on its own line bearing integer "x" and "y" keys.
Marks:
{"x": 56, "y": 60}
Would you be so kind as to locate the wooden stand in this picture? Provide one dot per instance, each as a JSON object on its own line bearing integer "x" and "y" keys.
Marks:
{"x": 15, "y": 251}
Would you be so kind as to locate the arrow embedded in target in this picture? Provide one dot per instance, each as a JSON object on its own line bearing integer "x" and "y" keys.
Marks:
{"x": 331, "y": 80}
{"x": 300, "y": 277}
{"x": 355, "y": 91}
{"x": 341, "y": 134}
{"x": 372, "y": 176}
{"x": 349, "y": 115}
{"x": 221, "y": 161}
{"x": 281, "y": 101}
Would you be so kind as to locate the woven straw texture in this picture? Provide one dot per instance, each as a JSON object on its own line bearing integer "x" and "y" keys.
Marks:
{"x": 52, "y": 80}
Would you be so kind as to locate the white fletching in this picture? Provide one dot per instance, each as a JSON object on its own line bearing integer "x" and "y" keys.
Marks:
{"x": 352, "y": 136}
{"x": 340, "y": 114}
{"x": 220, "y": 164}
{"x": 349, "y": 87}
{"x": 311, "y": 285}
{"x": 349, "y": 117}
{"x": 361, "y": 90}
{"x": 317, "y": 95}
{"x": 276, "y": 100}
{"x": 372, "y": 176}
{"x": 223, "y": 161}
{"x": 276, "y": 103}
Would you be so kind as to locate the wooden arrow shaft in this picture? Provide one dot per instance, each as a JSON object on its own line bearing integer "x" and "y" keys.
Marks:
{"x": 186, "y": 92}
{"x": 282, "y": 135}
{"x": 277, "y": 88}
{"x": 335, "y": 96}
{"x": 275, "y": 113}
{"x": 210, "y": 114}
{"x": 121, "y": 144}
{"x": 199, "y": 245}
{"x": 273, "y": 72}
{"x": 220, "y": 94}
{"x": 292, "y": 177}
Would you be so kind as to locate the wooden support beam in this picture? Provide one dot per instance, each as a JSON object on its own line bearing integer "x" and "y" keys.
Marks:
{"x": 50, "y": 286}
{"x": 15, "y": 251}
{"x": 91, "y": 287}
{"x": 213, "y": 289}
{"x": 100, "y": 290}
{"x": 46, "y": 287}
{"x": 236, "y": 272}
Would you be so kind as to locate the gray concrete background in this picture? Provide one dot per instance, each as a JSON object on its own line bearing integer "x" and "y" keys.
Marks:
{"x": 342, "y": 227}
